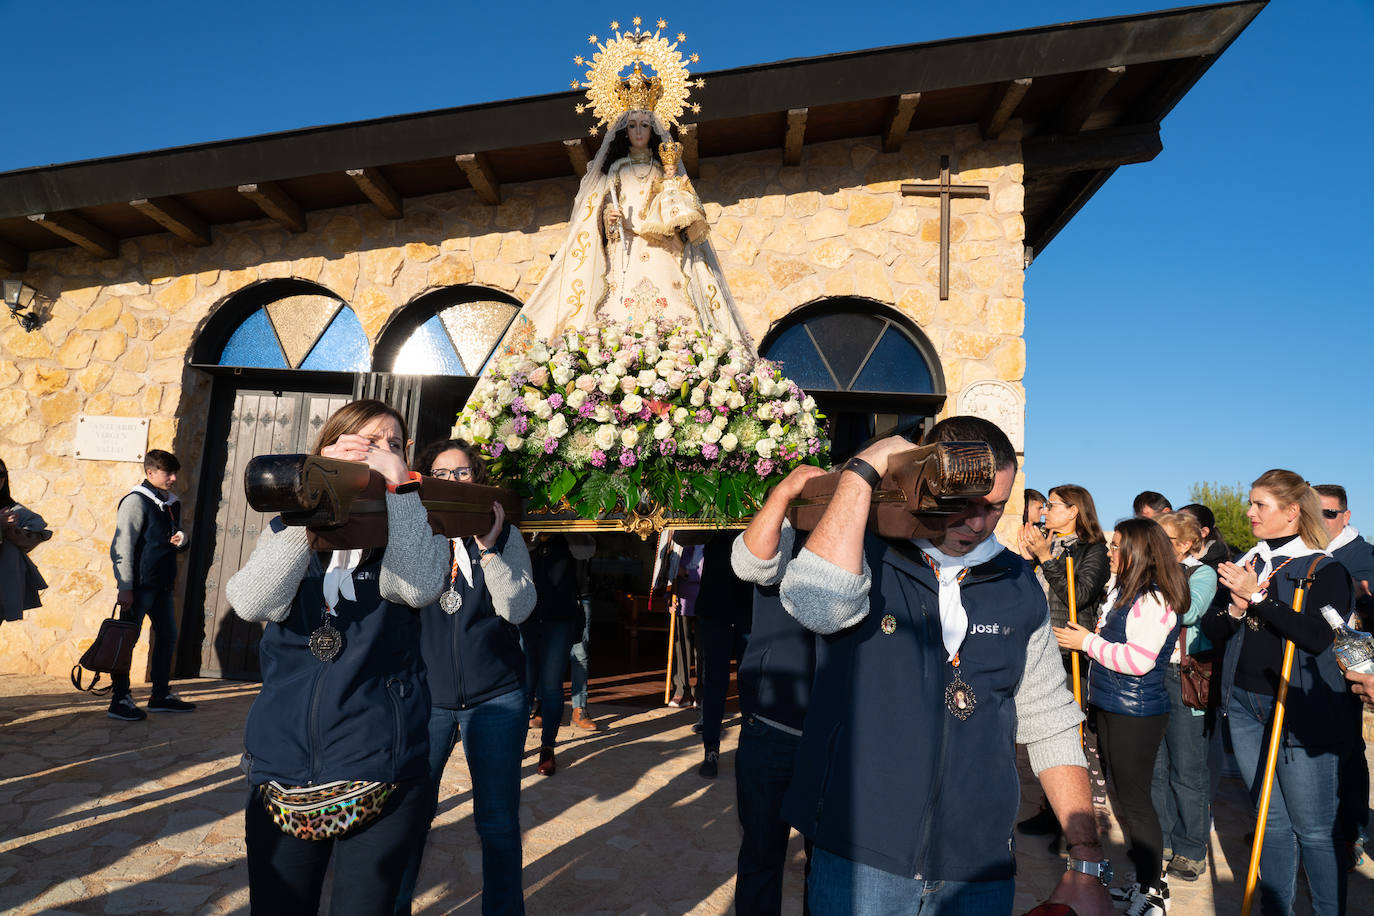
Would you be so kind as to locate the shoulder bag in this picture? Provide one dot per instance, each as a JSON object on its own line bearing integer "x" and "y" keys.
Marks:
{"x": 111, "y": 653}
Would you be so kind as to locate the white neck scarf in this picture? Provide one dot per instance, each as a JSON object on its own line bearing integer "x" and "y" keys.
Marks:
{"x": 152, "y": 493}
{"x": 338, "y": 578}
{"x": 1347, "y": 535}
{"x": 953, "y": 617}
{"x": 1266, "y": 554}
{"x": 460, "y": 553}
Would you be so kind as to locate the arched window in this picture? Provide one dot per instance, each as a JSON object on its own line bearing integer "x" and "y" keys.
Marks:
{"x": 292, "y": 324}
{"x": 447, "y": 332}
{"x": 869, "y": 368}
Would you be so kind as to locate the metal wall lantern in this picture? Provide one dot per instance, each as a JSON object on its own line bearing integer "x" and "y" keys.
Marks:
{"x": 19, "y": 298}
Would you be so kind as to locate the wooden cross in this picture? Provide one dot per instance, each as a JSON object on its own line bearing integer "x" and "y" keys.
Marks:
{"x": 944, "y": 190}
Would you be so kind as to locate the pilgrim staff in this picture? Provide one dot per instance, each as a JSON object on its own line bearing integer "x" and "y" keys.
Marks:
{"x": 1073, "y": 656}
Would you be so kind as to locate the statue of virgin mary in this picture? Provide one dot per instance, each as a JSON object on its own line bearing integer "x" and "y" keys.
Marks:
{"x": 638, "y": 245}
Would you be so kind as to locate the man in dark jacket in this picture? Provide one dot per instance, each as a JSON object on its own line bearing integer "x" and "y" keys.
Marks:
{"x": 724, "y": 610}
{"x": 937, "y": 656}
{"x": 147, "y": 538}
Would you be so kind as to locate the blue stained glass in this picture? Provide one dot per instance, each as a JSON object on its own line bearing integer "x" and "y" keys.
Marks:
{"x": 254, "y": 344}
{"x": 800, "y": 362}
{"x": 428, "y": 352}
{"x": 342, "y": 347}
{"x": 896, "y": 365}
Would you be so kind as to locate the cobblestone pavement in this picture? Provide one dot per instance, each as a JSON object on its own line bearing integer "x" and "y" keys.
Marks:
{"x": 100, "y": 816}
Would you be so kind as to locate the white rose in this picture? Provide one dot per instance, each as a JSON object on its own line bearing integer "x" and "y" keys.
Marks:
{"x": 616, "y": 368}
{"x": 572, "y": 340}
{"x": 734, "y": 400}
{"x": 765, "y": 447}
{"x": 538, "y": 353}
{"x": 506, "y": 396}
{"x": 605, "y": 436}
{"x": 608, "y": 383}
{"x": 718, "y": 397}
{"x": 665, "y": 366}
{"x": 765, "y": 412}
{"x": 790, "y": 407}
{"x": 562, "y": 376}
{"x": 542, "y": 410}
{"x": 558, "y": 426}
{"x": 663, "y": 430}
{"x": 628, "y": 384}
{"x": 698, "y": 397}
{"x": 481, "y": 429}
{"x": 775, "y": 431}
{"x": 729, "y": 442}
{"x": 719, "y": 422}
{"x": 676, "y": 378}
{"x": 585, "y": 383}
{"x": 633, "y": 403}
{"x": 602, "y": 414}
{"x": 577, "y": 398}
{"x": 707, "y": 367}
{"x": 629, "y": 438}
{"x": 680, "y": 415}
{"x": 767, "y": 389}
{"x": 513, "y": 443}
{"x": 647, "y": 377}
{"x": 809, "y": 404}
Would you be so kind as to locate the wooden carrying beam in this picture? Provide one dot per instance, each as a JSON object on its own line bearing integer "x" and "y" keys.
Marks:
{"x": 276, "y": 204}
{"x": 377, "y": 189}
{"x": 687, "y": 136}
{"x": 75, "y": 229}
{"x": 903, "y": 109}
{"x": 577, "y": 155}
{"x": 1091, "y": 90}
{"x": 1008, "y": 96}
{"x": 483, "y": 180}
{"x": 13, "y": 257}
{"x": 174, "y": 216}
{"x": 795, "y": 136}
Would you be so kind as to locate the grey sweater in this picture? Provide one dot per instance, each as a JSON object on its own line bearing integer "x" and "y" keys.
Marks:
{"x": 827, "y": 598}
{"x": 414, "y": 568}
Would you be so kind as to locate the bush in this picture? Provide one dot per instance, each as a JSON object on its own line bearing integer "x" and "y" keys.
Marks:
{"x": 1229, "y": 505}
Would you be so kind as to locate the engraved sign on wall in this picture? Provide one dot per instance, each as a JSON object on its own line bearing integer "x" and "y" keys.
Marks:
{"x": 111, "y": 438}
{"x": 1000, "y": 402}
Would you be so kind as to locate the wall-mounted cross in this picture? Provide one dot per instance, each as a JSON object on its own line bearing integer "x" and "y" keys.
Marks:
{"x": 944, "y": 190}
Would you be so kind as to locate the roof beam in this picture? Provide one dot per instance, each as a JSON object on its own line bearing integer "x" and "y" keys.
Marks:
{"x": 1092, "y": 151}
{"x": 276, "y": 204}
{"x": 374, "y": 185}
{"x": 75, "y": 229}
{"x": 174, "y": 216}
{"x": 900, "y": 122}
{"x": 12, "y": 257}
{"x": 1009, "y": 95}
{"x": 1089, "y": 93}
{"x": 483, "y": 180}
{"x": 687, "y": 136}
{"x": 795, "y": 136}
{"x": 577, "y": 155}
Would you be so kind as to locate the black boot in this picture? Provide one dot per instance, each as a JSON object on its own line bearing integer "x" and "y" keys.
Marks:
{"x": 710, "y": 767}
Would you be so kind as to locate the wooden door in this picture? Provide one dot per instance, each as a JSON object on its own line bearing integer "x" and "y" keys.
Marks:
{"x": 262, "y": 422}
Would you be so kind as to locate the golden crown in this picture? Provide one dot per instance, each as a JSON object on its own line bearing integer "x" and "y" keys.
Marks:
{"x": 664, "y": 93}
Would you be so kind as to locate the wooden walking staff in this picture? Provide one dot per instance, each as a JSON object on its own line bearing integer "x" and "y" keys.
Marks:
{"x": 1271, "y": 759}
{"x": 1073, "y": 656}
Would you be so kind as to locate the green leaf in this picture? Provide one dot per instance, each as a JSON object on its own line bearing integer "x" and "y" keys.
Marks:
{"x": 561, "y": 485}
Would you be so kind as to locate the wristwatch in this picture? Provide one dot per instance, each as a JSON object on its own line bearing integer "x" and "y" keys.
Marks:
{"x": 1257, "y": 596}
{"x": 1102, "y": 871}
{"x": 864, "y": 470}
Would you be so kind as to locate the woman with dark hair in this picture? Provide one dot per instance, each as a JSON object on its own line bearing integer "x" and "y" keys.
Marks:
{"x": 1285, "y": 514}
{"x": 476, "y": 674}
{"x": 1128, "y": 700}
{"x": 21, "y": 530}
{"x": 1215, "y": 550}
{"x": 336, "y": 742}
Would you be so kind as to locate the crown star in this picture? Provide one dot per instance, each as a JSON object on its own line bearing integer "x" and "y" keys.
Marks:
{"x": 663, "y": 23}
{"x": 696, "y": 59}
{"x": 591, "y": 39}
{"x": 636, "y": 21}
{"x": 681, "y": 36}
{"x": 615, "y": 26}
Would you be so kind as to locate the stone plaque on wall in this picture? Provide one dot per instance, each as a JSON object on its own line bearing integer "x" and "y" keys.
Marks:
{"x": 111, "y": 438}
{"x": 1000, "y": 402}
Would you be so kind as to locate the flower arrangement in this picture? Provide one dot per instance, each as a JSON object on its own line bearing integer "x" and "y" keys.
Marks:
{"x": 616, "y": 416}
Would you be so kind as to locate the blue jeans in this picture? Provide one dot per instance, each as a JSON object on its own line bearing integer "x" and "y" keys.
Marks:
{"x": 763, "y": 770}
{"x": 156, "y": 605}
{"x": 843, "y": 887}
{"x": 493, "y": 736}
{"x": 547, "y": 644}
{"x": 1181, "y": 781}
{"x": 579, "y": 657}
{"x": 286, "y": 874}
{"x": 1302, "y": 811}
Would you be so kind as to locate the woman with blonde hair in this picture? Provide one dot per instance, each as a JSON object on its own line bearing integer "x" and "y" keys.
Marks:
{"x": 1181, "y": 782}
{"x": 1285, "y": 514}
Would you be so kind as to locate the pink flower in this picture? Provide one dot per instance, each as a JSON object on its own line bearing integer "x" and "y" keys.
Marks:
{"x": 555, "y": 401}
{"x": 709, "y": 451}
{"x": 598, "y": 458}
{"x": 667, "y": 447}
{"x": 627, "y": 458}
{"x": 763, "y": 467}
{"x": 497, "y": 448}
{"x": 549, "y": 445}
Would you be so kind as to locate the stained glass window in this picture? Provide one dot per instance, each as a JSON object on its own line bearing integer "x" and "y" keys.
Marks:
{"x": 311, "y": 332}
{"x": 851, "y": 350}
{"x": 458, "y": 340}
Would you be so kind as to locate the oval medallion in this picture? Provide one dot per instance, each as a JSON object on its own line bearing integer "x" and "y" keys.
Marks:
{"x": 889, "y": 624}
{"x": 450, "y": 601}
{"x": 326, "y": 642}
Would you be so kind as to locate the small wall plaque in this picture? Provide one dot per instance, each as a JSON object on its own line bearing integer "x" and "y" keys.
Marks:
{"x": 111, "y": 438}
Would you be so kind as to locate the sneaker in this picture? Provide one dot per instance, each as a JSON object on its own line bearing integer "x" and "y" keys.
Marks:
{"x": 124, "y": 709}
{"x": 710, "y": 767}
{"x": 1148, "y": 901}
{"x": 169, "y": 703}
{"x": 681, "y": 702}
{"x": 1185, "y": 868}
{"x": 1042, "y": 823}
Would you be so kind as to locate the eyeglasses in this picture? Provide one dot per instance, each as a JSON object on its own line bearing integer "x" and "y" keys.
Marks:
{"x": 1056, "y": 504}
{"x": 452, "y": 474}
{"x": 1331, "y": 513}
{"x": 1113, "y": 547}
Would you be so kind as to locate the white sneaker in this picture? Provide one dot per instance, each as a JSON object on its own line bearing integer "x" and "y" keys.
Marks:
{"x": 1151, "y": 901}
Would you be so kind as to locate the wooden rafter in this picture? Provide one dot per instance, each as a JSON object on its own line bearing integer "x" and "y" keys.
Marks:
{"x": 795, "y": 137}
{"x": 903, "y": 109}
{"x": 1008, "y": 96}
{"x": 577, "y": 155}
{"x": 687, "y": 136}
{"x": 174, "y": 216}
{"x": 377, "y": 189}
{"x": 483, "y": 180}
{"x": 1090, "y": 92}
{"x": 1057, "y": 154}
{"x": 75, "y": 229}
{"x": 276, "y": 204}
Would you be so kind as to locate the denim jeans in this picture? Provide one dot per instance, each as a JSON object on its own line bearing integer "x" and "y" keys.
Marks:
{"x": 763, "y": 770}
{"x": 493, "y": 736}
{"x": 547, "y": 644}
{"x": 578, "y": 656}
{"x": 156, "y": 605}
{"x": 286, "y": 874}
{"x": 841, "y": 887}
{"x": 1302, "y": 811}
{"x": 1181, "y": 781}
{"x": 717, "y": 643}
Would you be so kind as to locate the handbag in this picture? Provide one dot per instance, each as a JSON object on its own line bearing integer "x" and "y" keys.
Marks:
{"x": 1195, "y": 674}
{"x": 325, "y": 811}
{"x": 111, "y": 653}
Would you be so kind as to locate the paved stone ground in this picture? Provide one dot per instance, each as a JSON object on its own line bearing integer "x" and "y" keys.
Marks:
{"x": 99, "y": 816}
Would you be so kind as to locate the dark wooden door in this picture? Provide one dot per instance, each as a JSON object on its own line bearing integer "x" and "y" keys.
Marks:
{"x": 262, "y": 423}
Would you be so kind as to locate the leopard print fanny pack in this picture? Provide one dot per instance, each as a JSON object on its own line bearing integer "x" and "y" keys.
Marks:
{"x": 327, "y": 810}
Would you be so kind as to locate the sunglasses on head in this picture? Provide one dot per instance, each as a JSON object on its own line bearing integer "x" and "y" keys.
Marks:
{"x": 1331, "y": 513}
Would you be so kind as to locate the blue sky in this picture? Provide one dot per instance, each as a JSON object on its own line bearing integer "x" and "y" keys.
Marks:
{"x": 1205, "y": 317}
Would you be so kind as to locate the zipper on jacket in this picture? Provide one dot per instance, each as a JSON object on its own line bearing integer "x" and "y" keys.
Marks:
{"x": 459, "y": 693}
{"x": 923, "y": 849}
{"x": 314, "y": 724}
